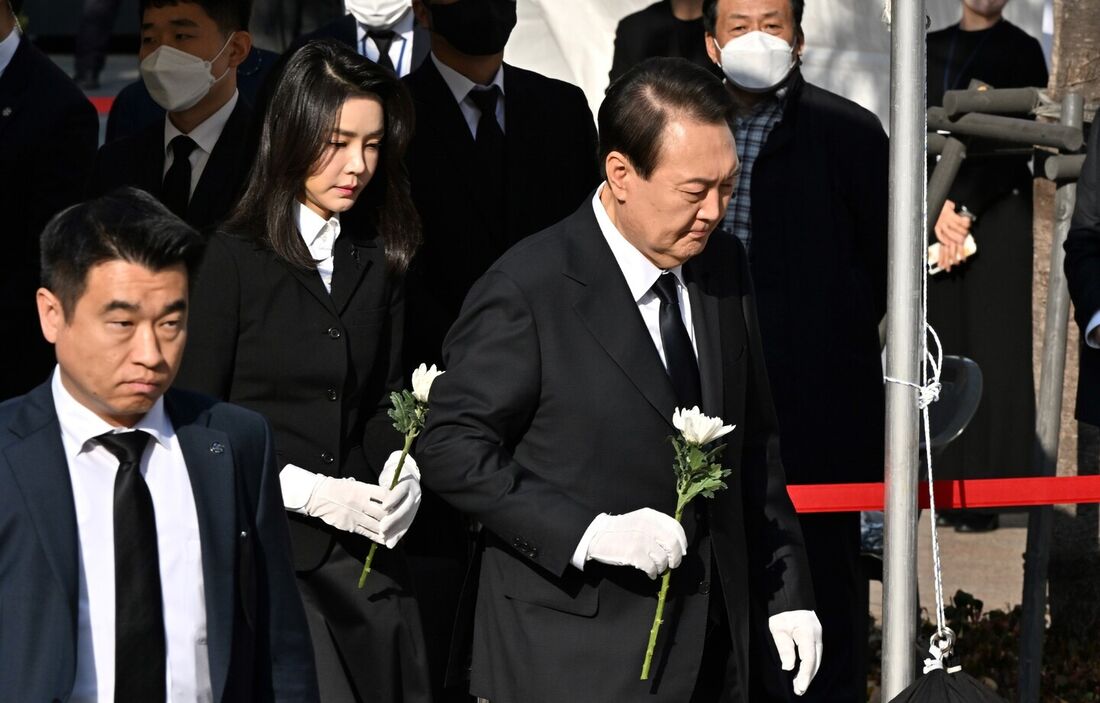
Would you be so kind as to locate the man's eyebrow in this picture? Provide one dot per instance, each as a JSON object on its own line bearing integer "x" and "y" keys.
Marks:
{"x": 121, "y": 305}
{"x": 178, "y": 22}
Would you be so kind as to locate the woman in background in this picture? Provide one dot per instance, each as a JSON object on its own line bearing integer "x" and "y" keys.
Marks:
{"x": 297, "y": 314}
{"x": 981, "y": 307}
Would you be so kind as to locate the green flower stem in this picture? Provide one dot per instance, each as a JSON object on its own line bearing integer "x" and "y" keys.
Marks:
{"x": 657, "y": 617}
{"x": 396, "y": 477}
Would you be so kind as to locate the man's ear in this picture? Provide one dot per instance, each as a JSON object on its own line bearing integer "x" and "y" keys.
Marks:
{"x": 619, "y": 172}
{"x": 713, "y": 51}
{"x": 239, "y": 47}
{"x": 51, "y": 316}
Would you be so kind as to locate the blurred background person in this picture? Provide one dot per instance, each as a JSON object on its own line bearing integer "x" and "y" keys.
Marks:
{"x": 384, "y": 31}
{"x": 48, "y": 136}
{"x": 811, "y": 210}
{"x": 297, "y": 315}
{"x": 499, "y": 153}
{"x": 981, "y": 306}
{"x": 195, "y": 160}
{"x": 93, "y": 35}
{"x": 277, "y": 23}
{"x": 665, "y": 28}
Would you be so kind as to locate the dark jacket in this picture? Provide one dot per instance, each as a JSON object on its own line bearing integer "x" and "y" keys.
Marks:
{"x": 1083, "y": 275}
{"x": 818, "y": 260}
{"x": 655, "y": 31}
{"x": 258, "y": 640}
{"x": 550, "y": 168}
{"x": 48, "y": 135}
{"x": 556, "y": 407}
{"x": 139, "y": 161}
{"x": 344, "y": 29}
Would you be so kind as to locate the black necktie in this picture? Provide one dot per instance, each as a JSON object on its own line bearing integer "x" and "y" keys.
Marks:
{"x": 490, "y": 137}
{"x": 139, "y": 614}
{"x": 177, "y": 182}
{"x": 383, "y": 38}
{"x": 683, "y": 369}
{"x": 489, "y": 156}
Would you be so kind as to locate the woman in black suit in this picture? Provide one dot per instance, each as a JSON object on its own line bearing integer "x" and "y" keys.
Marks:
{"x": 297, "y": 314}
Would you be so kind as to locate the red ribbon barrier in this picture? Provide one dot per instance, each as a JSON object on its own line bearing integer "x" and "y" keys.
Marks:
{"x": 951, "y": 494}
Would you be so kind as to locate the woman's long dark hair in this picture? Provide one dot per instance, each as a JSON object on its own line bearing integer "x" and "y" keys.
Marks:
{"x": 301, "y": 112}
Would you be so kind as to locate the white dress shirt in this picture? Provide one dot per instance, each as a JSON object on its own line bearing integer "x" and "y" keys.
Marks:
{"x": 205, "y": 136}
{"x": 320, "y": 236}
{"x": 461, "y": 87}
{"x": 640, "y": 274}
{"x": 400, "y": 49}
{"x": 92, "y": 470}
{"x": 7, "y": 49}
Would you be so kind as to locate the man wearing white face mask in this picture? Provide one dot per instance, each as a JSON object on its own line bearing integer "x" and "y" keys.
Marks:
{"x": 195, "y": 161}
{"x": 384, "y": 31}
{"x": 811, "y": 209}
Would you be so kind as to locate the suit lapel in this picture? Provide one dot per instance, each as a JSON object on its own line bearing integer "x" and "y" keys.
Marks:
{"x": 605, "y": 306}
{"x": 217, "y": 184}
{"x": 13, "y": 84}
{"x": 352, "y": 259}
{"x": 422, "y": 45}
{"x": 209, "y": 458}
{"x": 706, "y": 320}
{"x": 522, "y": 130}
{"x": 42, "y": 473}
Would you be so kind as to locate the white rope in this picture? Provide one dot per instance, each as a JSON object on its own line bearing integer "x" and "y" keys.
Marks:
{"x": 927, "y": 393}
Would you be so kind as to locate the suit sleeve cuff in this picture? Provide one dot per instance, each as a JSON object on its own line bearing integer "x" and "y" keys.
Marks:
{"x": 580, "y": 555}
{"x": 1094, "y": 322}
{"x": 297, "y": 486}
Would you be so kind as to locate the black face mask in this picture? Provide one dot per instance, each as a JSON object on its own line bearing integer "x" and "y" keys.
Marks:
{"x": 475, "y": 27}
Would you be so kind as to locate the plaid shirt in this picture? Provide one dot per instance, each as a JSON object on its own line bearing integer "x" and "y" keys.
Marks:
{"x": 750, "y": 133}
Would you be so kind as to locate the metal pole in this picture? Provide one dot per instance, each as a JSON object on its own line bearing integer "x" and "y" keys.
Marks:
{"x": 904, "y": 341}
{"x": 1008, "y": 129}
{"x": 1048, "y": 423}
{"x": 1004, "y": 101}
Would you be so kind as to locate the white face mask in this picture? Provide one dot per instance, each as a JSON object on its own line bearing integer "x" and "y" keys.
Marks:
{"x": 378, "y": 14}
{"x": 177, "y": 80}
{"x": 757, "y": 61}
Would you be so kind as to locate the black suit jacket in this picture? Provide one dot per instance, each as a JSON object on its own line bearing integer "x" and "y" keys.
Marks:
{"x": 551, "y": 166}
{"x": 1083, "y": 275}
{"x": 655, "y": 31}
{"x": 258, "y": 640}
{"x": 818, "y": 259}
{"x": 320, "y": 367}
{"x": 556, "y": 407}
{"x": 139, "y": 161}
{"x": 48, "y": 135}
{"x": 344, "y": 29}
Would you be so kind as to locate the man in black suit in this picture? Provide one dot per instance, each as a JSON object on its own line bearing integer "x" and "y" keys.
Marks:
{"x": 551, "y": 428}
{"x": 811, "y": 209}
{"x": 1083, "y": 275}
{"x": 498, "y": 154}
{"x": 145, "y": 548}
{"x": 196, "y": 160}
{"x": 384, "y": 31}
{"x": 48, "y": 134}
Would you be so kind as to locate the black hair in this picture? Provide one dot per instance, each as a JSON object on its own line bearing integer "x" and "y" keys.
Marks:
{"x": 640, "y": 103}
{"x": 710, "y": 15}
{"x": 127, "y": 224}
{"x": 301, "y": 113}
{"x": 229, "y": 15}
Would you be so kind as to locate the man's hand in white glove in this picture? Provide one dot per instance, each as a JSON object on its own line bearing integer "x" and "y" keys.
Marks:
{"x": 349, "y": 505}
{"x": 402, "y": 502}
{"x": 798, "y": 630}
{"x": 645, "y": 539}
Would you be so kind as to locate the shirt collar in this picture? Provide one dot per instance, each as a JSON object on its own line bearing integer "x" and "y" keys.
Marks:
{"x": 207, "y": 132}
{"x": 401, "y": 27}
{"x": 640, "y": 273}
{"x": 459, "y": 84}
{"x": 79, "y": 424}
{"x": 8, "y": 47}
{"x": 312, "y": 226}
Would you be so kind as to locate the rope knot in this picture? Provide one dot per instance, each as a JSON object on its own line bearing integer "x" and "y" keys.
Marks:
{"x": 929, "y": 394}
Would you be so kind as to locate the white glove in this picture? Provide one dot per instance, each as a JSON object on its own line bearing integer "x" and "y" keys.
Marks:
{"x": 798, "y": 630}
{"x": 645, "y": 539}
{"x": 402, "y": 501}
{"x": 349, "y": 505}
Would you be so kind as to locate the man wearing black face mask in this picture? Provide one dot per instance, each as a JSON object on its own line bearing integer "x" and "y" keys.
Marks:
{"x": 499, "y": 153}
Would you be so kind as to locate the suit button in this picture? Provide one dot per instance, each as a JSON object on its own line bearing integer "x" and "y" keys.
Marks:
{"x": 333, "y": 332}
{"x": 327, "y": 458}
{"x": 704, "y": 587}
{"x": 331, "y": 394}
